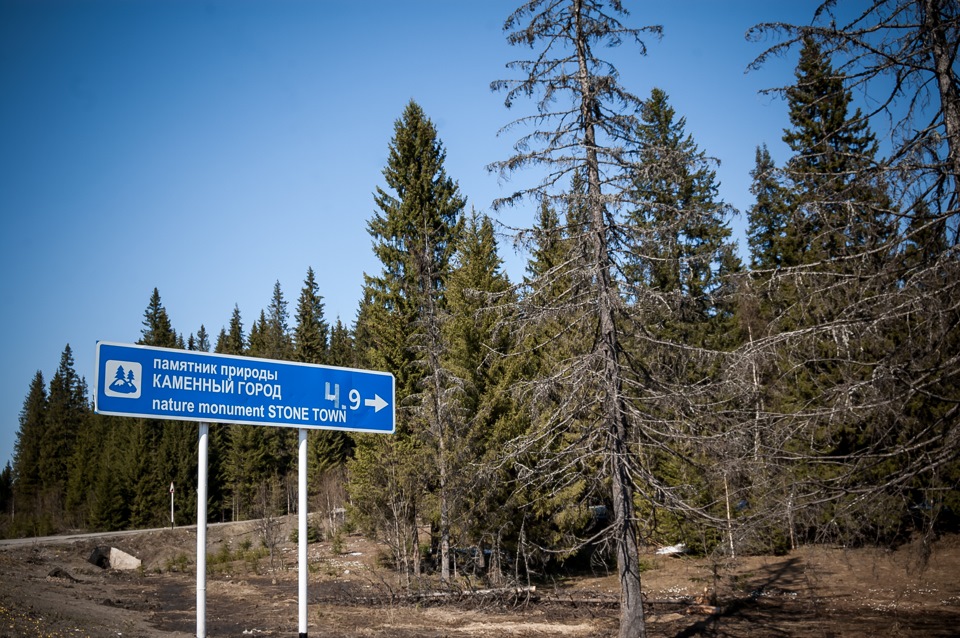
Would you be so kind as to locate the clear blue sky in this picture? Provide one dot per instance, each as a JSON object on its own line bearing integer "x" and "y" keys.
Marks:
{"x": 210, "y": 149}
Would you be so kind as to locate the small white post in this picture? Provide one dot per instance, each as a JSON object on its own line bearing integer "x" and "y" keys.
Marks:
{"x": 171, "y": 506}
{"x": 302, "y": 534}
{"x": 202, "y": 533}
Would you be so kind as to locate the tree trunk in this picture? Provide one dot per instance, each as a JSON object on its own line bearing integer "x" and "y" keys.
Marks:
{"x": 726, "y": 493}
{"x": 444, "y": 520}
{"x": 628, "y": 555}
{"x": 625, "y": 535}
{"x": 942, "y": 53}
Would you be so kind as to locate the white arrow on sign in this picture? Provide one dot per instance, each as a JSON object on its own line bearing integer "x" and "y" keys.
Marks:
{"x": 377, "y": 402}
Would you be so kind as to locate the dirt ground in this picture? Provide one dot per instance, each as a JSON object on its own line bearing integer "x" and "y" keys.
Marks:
{"x": 49, "y": 590}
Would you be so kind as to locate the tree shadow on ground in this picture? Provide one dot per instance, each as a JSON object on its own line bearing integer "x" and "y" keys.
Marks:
{"x": 783, "y": 579}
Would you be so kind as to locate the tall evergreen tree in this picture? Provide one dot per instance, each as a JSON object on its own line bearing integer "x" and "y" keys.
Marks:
{"x": 413, "y": 239}
{"x": 65, "y": 416}
{"x": 159, "y": 451}
{"x": 839, "y": 309}
{"x": 476, "y": 282}
{"x": 682, "y": 259}
{"x": 26, "y": 451}
{"x": 232, "y": 341}
{"x": 229, "y": 459}
{"x": 216, "y": 450}
{"x": 476, "y": 299}
{"x": 157, "y": 329}
{"x": 555, "y": 333}
{"x": 270, "y": 338}
{"x": 902, "y": 54}
{"x": 325, "y": 448}
{"x": 341, "y": 346}
{"x": 683, "y": 249}
{"x": 202, "y": 342}
{"x": 310, "y": 333}
{"x": 110, "y": 502}
{"x": 415, "y": 233}
{"x": 6, "y": 489}
{"x": 838, "y": 209}
{"x": 926, "y": 239}
{"x": 480, "y": 302}
{"x": 768, "y": 217}
{"x": 257, "y": 339}
{"x": 84, "y": 463}
{"x": 243, "y": 465}
{"x": 277, "y": 341}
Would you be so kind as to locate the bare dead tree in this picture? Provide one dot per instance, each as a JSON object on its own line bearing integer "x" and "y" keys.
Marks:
{"x": 269, "y": 500}
{"x": 902, "y": 57}
{"x": 330, "y": 500}
{"x": 583, "y": 122}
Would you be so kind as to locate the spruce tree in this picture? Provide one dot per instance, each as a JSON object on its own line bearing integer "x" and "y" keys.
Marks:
{"x": 277, "y": 340}
{"x": 834, "y": 314}
{"x": 270, "y": 338}
{"x": 277, "y": 343}
{"x": 232, "y": 341}
{"x": 310, "y": 333}
{"x": 160, "y": 451}
{"x": 243, "y": 464}
{"x": 681, "y": 263}
{"x": 64, "y": 419}
{"x": 683, "y": 248}
{"x": 477, "y": 296}
{"x": 926, "y": 239}
{"x": 341, "y": 346}
{"x": 84, "y": 464}
{"x": 761, "y": 298}
{"x": 262, "y": 454}
{"x": 157, "y": 329}
{"x": 226, "y": 464}
{"x": 839, "y": 210}
{"x": 553, "y": 332}
{"x": 216, "y": 453}
{"x": 415, "y": 232}
{"x": 110, "y": 502}
{"x": 6, "y": 489}
{"x": 326, "y": 449}
{"x": 202, "y": 343}
{"x": 902, "y": 55}
{"x": 476, "y": 283}
{"x": 26, "y": 451}
{"x": 257, "y": 345}
{"x": 768, "y": 217}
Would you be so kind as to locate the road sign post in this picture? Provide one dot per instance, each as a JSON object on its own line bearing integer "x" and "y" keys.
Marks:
{"x": 184, "y": 385}
{"x": 302, "y": 570}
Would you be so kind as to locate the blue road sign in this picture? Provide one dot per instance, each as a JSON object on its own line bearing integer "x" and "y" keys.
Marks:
{"x": 162, "y": 383}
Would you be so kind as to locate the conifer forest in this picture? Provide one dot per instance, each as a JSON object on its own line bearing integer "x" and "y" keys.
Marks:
{"x": 647, "y": 381}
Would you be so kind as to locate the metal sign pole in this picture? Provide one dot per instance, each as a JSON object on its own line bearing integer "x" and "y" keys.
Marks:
{"x": 302, "y": 535}
{"x": 202, "y": 532}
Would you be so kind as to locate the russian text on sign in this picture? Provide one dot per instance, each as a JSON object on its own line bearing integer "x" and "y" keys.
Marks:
{"x": 151, "y": 382}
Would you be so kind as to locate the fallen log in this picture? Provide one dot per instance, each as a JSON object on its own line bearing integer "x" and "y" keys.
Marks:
{"x": 609, "y": 601}
{"x": 524, "y": 593}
